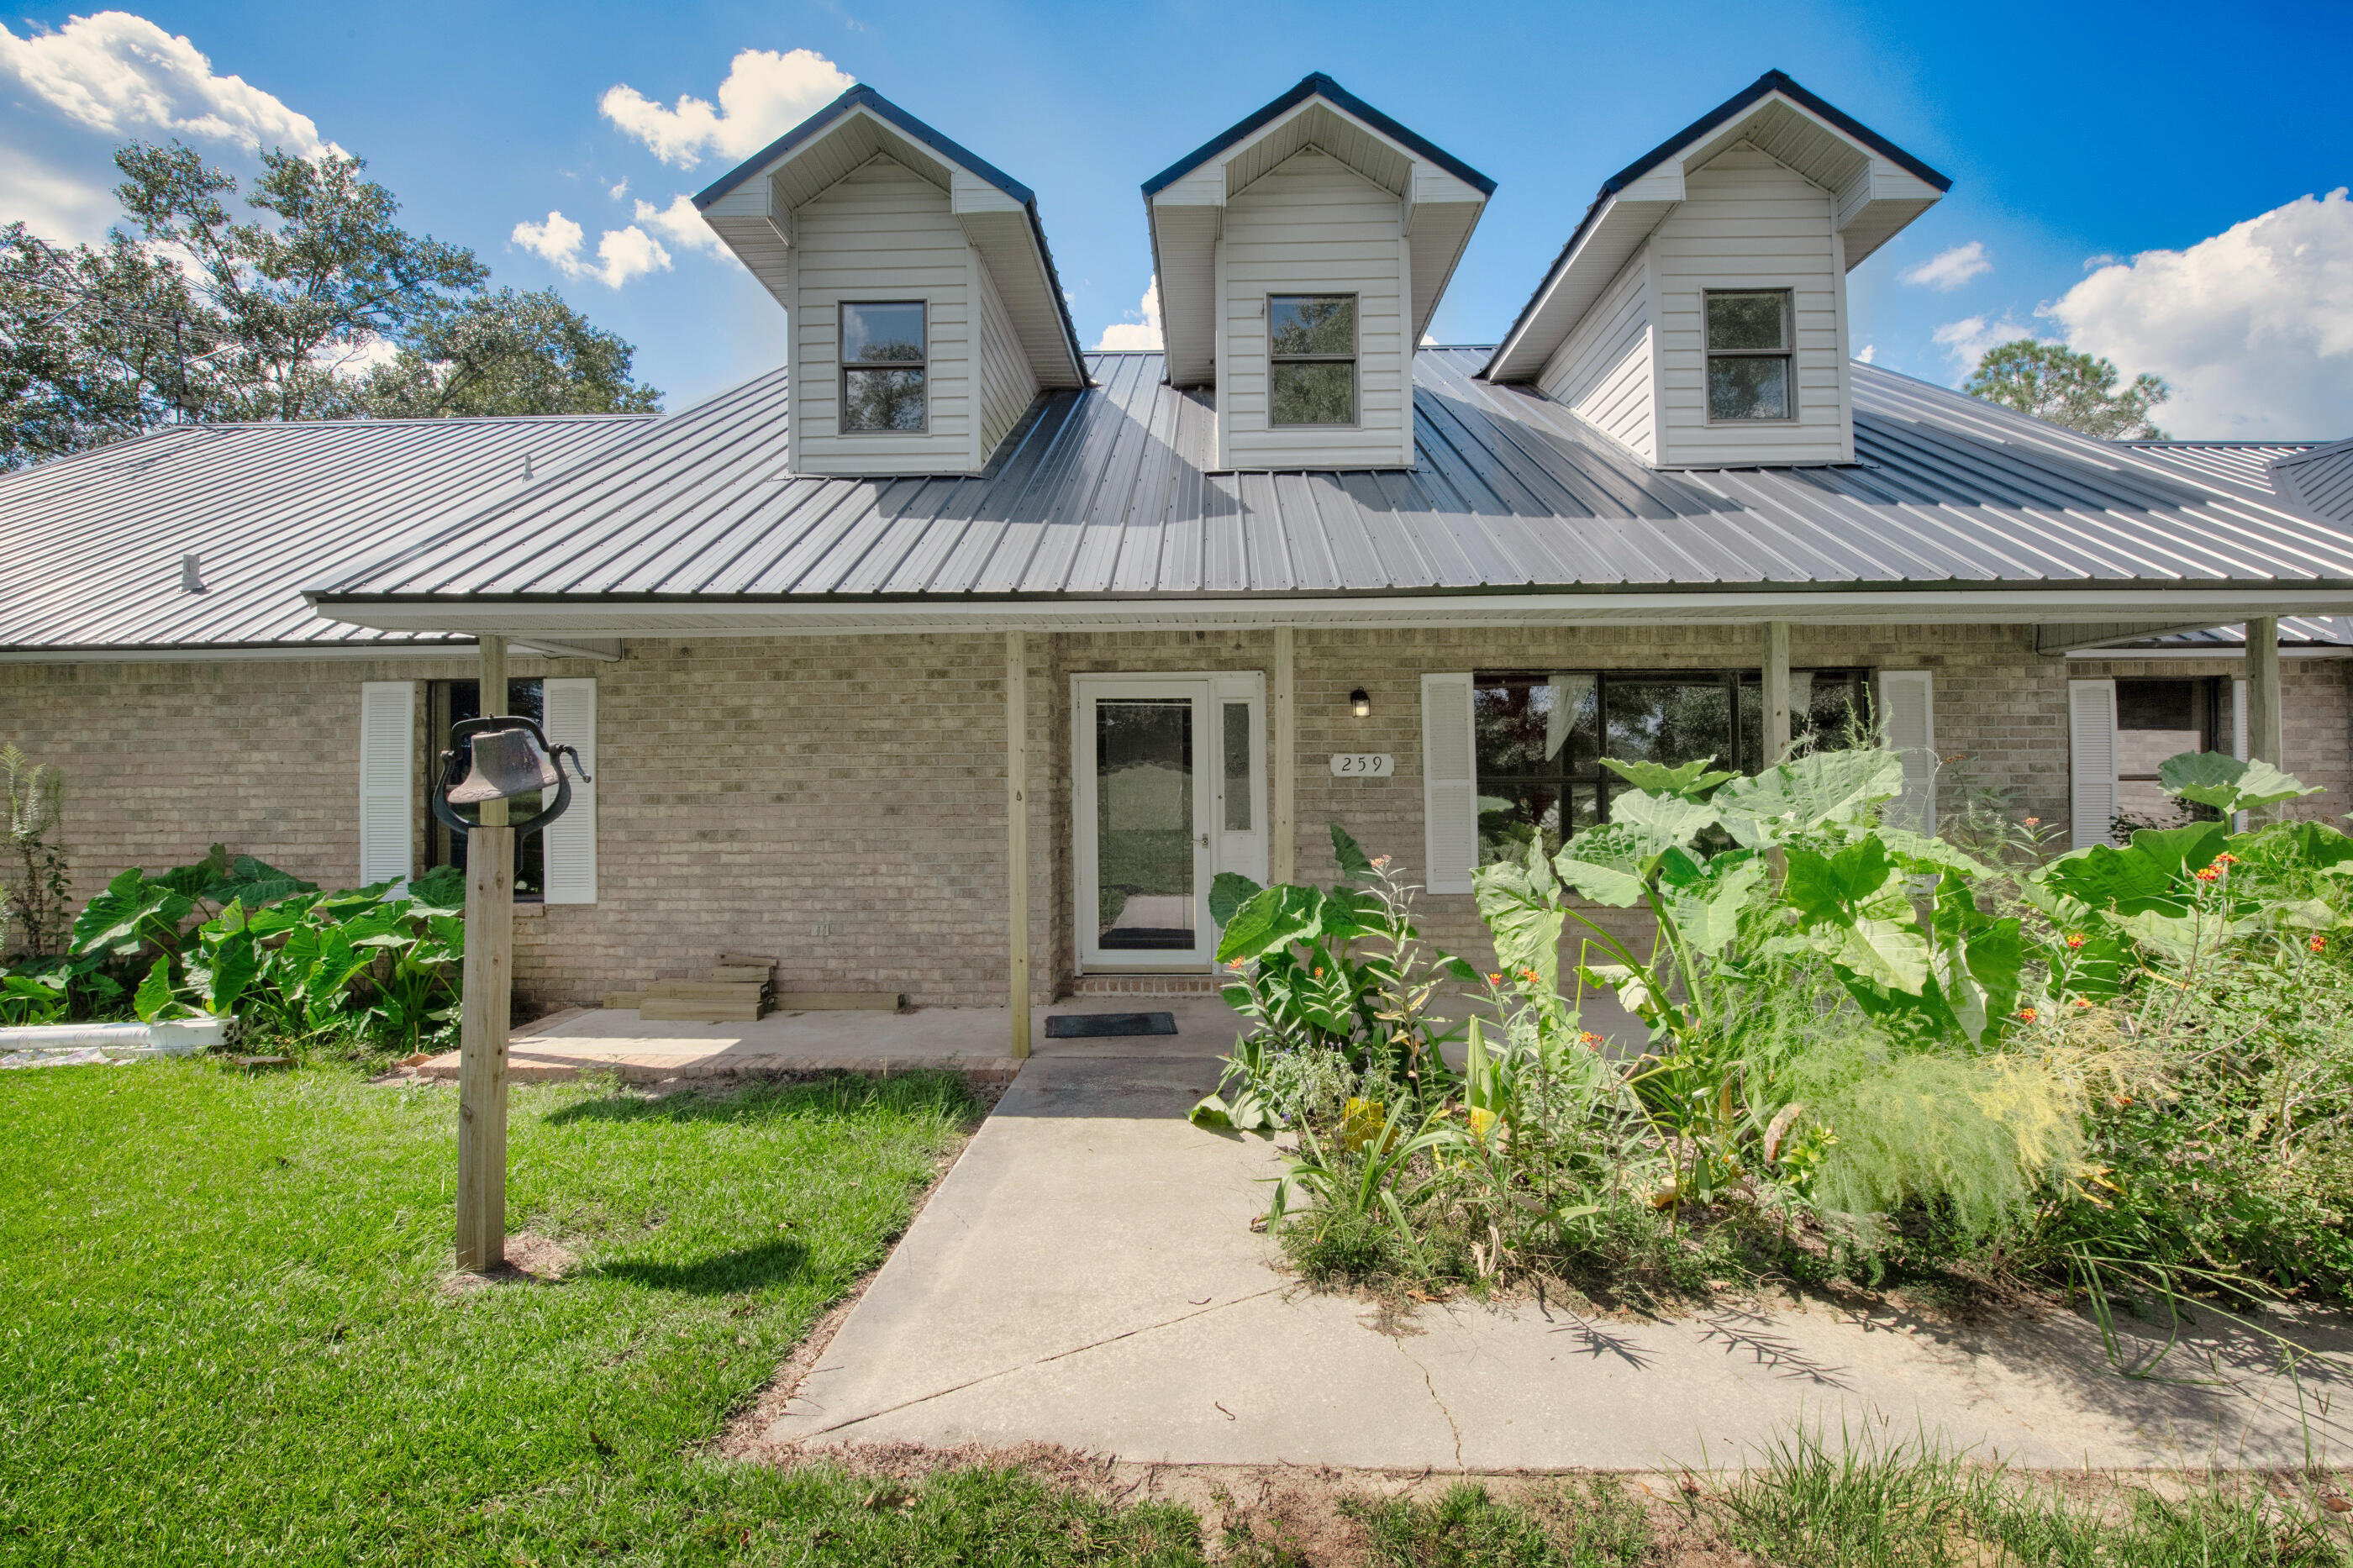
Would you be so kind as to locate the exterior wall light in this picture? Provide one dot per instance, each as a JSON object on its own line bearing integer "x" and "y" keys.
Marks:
{"x": 1360, "y": 704}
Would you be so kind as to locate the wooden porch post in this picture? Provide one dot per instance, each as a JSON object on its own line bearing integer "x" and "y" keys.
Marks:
{"x": 1017, "y": 837}
{"x": 488, "y": 982}
{"x": 1281, "y": 846}
{"x": 1777, "y": 691}
{"x": 2263, "y": 698}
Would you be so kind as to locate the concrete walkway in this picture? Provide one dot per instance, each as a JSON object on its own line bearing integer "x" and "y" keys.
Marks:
{"x": 1086, "y": 1276}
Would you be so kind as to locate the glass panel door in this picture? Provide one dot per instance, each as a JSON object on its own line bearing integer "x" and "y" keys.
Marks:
{"x": 1144, "y": 825}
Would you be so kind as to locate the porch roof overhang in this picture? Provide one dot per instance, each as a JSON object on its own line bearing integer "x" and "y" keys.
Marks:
{"x": 2066, "y": 609}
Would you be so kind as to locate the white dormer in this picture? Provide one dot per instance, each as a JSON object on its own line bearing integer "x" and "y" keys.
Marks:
{"x": 1301, "y": 255}
{"x": 925, "y": 315}
{"x": 1698, "y": 315}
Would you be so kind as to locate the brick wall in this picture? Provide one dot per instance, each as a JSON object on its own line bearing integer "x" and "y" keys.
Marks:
{"x": 839, "y": 801}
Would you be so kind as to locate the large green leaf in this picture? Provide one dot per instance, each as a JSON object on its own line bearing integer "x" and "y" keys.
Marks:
{"x": 1915, "y": 852}
{"x": 1270, "y": 922}
{"x": 2228, "y": 784}
{"x": 222, "y": 971}
{"x": 1230, "y": 891}
{"x": 1806, "y": 792}
{"x": 1890, "y": 953}
{"x": 131, "y": 911}
{"x": 1853, "y": 906}
{"x": 153, "y": 998}
{"x": 1519, "y": 901}
{"x": 1353, "y": 863}
{"x": 2149, "y": 873}
{"x": 1828, "y": 887}
{"x": 1706, "y": 899}
{"x": 1605, "y": 864}
{"x": 1685, "y": 779}
{"x": 1660, "y": 822}
{"x": 2316, "y": 844}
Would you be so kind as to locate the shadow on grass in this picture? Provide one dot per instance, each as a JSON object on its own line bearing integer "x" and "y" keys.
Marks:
{"x": 722, "y": 1273}
{"x": 839, "y": 1093}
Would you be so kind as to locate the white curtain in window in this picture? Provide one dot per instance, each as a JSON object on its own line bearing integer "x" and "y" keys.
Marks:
{"x": 1801, "y": 700}
{"x": 1571, "y": 690}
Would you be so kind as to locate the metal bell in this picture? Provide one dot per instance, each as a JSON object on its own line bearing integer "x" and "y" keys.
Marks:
{"x": 506, "y": 764}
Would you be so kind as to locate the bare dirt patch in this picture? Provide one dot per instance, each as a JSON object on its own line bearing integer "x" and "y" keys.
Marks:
{"x": 531, "y": 1260}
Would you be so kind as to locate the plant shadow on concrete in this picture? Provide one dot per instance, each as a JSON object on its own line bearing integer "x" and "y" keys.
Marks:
{"x": 1873, "y": 1055}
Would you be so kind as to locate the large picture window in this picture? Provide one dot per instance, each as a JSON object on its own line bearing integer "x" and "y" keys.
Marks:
{"x": 884, "y": 368}
{"x": 451, "y": 704}
{"x": 1311, "y": 359}
{"x": 1750, "y": 343}
{"x": 1541, "y": 737}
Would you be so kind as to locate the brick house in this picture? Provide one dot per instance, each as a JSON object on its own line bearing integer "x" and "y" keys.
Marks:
{"x": 950, "y": 629}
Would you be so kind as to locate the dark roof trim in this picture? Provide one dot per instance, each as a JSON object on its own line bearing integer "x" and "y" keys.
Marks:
{"x": 1755, "y": 92}
{"x": 2172, "y": 445}
{"x": 1317, "y": 85}
{"x": 863, "y": 96}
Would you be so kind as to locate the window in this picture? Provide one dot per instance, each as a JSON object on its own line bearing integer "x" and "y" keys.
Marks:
{"x": 453, "y": 701}
{"x": 1541, "y": 738}
{"x": 1748, "y": 349}
{"x": 2156, "y": 719}
{"x": 1311, "y": 372}
{"x": 884, "y": 368}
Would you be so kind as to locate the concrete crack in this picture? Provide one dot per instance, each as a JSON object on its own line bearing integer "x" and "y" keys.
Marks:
{"x": 1431, "y": 1385}
{"x": 1047, "y": 1360}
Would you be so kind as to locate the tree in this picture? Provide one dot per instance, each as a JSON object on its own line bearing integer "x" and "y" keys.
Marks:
{"x": 190, "y": 312}
{"x": 508, "y": 353}
{"x": 2077, "y": 390}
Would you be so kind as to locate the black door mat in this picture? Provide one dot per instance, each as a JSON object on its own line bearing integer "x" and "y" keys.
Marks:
{"x": 1104, "y": 1025}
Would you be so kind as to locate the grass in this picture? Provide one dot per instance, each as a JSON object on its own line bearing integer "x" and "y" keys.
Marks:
{"x": 227, "y": 1338}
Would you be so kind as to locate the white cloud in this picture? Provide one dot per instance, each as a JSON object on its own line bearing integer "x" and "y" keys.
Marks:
{"x": 621, "y": 253}
{"x": 1868, "y": 352}
{"x": 1948, "y": 269}
{"x": 1143, "y": 331}
{"x": 116, "y": 72}
{"x": 58, "y": 207}
{"x": 1969, "y": 339}
{"x": 2253, "y": 328}
{"x": 680, "y": 224}
{"x": 766, "y": 94}
{"x": 620, "y": 190}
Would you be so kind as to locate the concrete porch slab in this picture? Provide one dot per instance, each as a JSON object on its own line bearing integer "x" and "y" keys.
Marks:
{"x": 970, "y": 1040}
{"x": 1086, "y": 1276}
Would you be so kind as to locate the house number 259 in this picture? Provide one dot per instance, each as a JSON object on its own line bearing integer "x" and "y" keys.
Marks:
{"x": 1363, "y": 764}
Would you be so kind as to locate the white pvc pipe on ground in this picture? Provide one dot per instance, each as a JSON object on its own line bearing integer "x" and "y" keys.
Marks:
{"x": 173, "y": 1037}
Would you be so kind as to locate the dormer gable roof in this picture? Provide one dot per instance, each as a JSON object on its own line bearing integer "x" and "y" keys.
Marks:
{"x": 750, "y": 208}
{"x": 1183, "y": 204}
{"x": 1878, "y": 187}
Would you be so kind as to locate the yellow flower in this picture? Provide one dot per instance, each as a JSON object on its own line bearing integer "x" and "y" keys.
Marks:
{"x": 1361, "y": 1122}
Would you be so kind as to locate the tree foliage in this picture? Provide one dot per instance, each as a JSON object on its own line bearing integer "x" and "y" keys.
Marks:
{"x": 298, "y": 296}
{"x": 2052, "y": 382}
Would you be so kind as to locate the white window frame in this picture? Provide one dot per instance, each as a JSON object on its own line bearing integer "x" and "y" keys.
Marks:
{"x": 1787, "y": 355}
{"x": 1354, "y": 358}
{"x": 845, "y": 364}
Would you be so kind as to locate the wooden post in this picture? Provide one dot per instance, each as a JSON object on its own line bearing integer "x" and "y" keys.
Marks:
{"x": 2263, "y": 689}
{"x": 1777, "y": 691}
{"x": 1017, "y": 837}
{"x": 1282, "y": 845}
{"x": 489, "y": 984}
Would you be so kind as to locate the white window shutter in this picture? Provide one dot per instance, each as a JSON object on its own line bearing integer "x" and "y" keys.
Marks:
{"x": 569, "y": 854}
{"x": 2092, "y": 762}
{"x": 1907, "y": 707}
{"x": 1450, "y": 783}
{"x": 387, "y": 781}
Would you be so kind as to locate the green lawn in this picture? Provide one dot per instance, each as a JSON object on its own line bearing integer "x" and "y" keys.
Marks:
{"x": 226, "y": 1336}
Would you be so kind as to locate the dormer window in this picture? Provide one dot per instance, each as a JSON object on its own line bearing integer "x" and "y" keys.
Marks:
{"x": 1312, "y": 359}
{"x": 883, "y": 367}
{"x": 1750, "y": 375}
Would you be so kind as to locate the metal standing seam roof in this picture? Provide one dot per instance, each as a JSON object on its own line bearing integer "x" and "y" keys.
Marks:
{"x": 2237, "y": 462}
{"x": 2320, "y": 478}
{"x": 1104, "y": 493}
{"x": 1316, "y": 84}
{"x": 90, "y": 545}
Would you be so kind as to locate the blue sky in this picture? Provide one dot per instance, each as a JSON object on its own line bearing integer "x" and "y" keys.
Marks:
{"x": 2179, "y": 136}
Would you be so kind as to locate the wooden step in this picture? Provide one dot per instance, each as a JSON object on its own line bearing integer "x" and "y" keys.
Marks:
{"x": 707, "y": 990}
{"x": 749, "y": 960}
{"x": 623, "y": 1001}
{"x": 840, "y": 1001}
{"x": 738, "y": 974}
{"x": 687, "y": 1010}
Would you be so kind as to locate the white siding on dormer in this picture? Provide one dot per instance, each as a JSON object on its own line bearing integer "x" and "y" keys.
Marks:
{"x": 1749, "y": 222}
{"x": 1006, "y": 382}
{"x": 1602, "y": 369}
{"x": 881, "y": 232}
{"x": 1313, "y": 225}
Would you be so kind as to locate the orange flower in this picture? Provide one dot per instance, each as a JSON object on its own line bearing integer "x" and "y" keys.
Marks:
{"x": 2226, "y": 858}
{"x": 2083, "y": 1001}
{"x": 2210, "y": 873}
{"x": 1238, "y": 964}
{"x": 2033, "y": 822}
{"x": 1530, "y": 975}
{"x": 1496, "y": 978}
{"x": 2026, "y": 1014}
{"x": 1588, "y": 1038}
{"x": 2074, "y": 941}
{"x": 1319, "y": 972}
{"x": 1380, "y": 861}
{"x": 2318, "y": 944}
